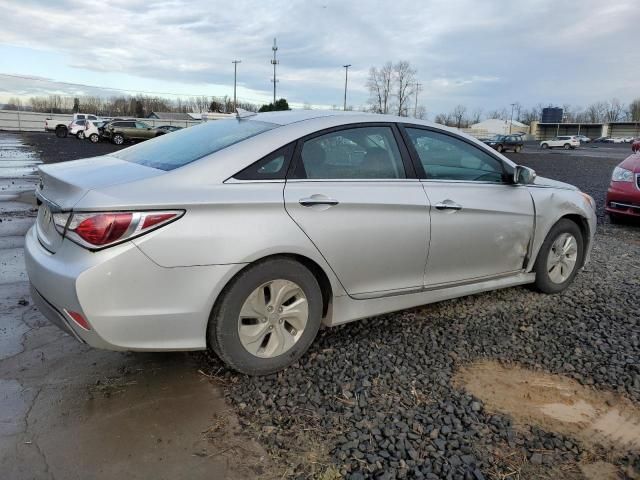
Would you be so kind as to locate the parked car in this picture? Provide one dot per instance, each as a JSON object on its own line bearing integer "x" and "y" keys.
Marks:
{"x": 602, "y": 140}
{"x": 565, "y": 141}
{"x": 92, "y": 131}
{"x": 60, "y": 127}
{"x": 76, "y": 128}
{"x": 247, "y": 234}
{"x": 616, "y": 140}
{"x": 122, "y": 131}
{"x": 627, "y": 139}
{"x": 583, "y": 138}
{"x": 635, "y": 146}
{"x": 623, "y": 196}
{"x": 169, "y": 128}
{"x": 506, "y": 142}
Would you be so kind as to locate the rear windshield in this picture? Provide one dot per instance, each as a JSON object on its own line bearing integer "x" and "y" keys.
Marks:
{"x": 189, "y": 144}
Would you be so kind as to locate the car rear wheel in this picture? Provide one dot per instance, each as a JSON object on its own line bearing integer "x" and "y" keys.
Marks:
{"x": 61, "y": 131}
{"x": 267, "y": 317}
{"x": 94, "y": 138}
{"x": 559, "y": 257}
{"x": 566, "y": 146}
{"x": 499, "y": 148}
{"x": 118, "y": 139}
{"x": 518, "y": 149}
{"x": 544, "y": 146}
{"x": 80, "y": 135}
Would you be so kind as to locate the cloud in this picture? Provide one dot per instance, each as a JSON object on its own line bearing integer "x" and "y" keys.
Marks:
{"x": 482, "y": 53}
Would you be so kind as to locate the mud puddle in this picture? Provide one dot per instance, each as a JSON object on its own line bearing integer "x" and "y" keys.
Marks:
{"x": 555, "y": 403}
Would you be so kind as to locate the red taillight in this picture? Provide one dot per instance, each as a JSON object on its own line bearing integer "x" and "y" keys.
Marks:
{"x": 79, "y": 319}
{"x": 103, "y": 229}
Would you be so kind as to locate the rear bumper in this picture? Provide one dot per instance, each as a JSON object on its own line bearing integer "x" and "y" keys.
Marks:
{"x": 623, "y": 198}
{"x": 130, "y": 302}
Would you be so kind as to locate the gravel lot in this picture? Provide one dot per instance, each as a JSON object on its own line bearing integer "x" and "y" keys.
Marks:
{"x": 382, "y": 398}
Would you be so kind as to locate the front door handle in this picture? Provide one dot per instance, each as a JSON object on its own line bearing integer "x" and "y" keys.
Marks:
{"x": 318, "y": 200}
{"x": 448, "y": 205}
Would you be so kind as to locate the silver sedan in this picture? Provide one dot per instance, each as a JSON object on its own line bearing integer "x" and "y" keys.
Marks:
{"x": 246, "y": 235}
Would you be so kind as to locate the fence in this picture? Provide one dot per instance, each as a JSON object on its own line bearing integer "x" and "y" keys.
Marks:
{"x": 20, "y": 121}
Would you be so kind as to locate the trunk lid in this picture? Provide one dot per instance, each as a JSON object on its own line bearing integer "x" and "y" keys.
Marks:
{"x": 62, "y": 185}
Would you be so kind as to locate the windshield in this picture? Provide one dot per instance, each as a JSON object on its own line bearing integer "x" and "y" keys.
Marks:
{"x": 190, "y": 144}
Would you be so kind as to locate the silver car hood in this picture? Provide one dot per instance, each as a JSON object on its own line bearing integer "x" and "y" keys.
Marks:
{"x": 547, "y": 182}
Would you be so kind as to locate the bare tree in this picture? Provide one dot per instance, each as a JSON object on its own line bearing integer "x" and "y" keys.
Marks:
{"x": 458, "y": 115}
{"x": 596, "y": 112}
{"x": 405, "y": 79}
{"x": 421, "y": 112}
{"x": 476, "y": 116}
{"x": 614, "y": 110}
{"x": 633, "y": 112}
{"x": 493, "y": 114}
{"x": 443, "y": 119}
{"x": 379, "y": 84}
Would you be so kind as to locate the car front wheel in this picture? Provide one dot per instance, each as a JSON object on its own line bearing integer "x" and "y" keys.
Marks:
{"x": 267, "y": 317}
{"x": 61, "y": 131}
{"x": 559, "y": 257}
{"x": 567, "y": 146}
{"x": 94, "y": 138}
{"x": 118, "y": 139}
{"x": 544, "y": 146}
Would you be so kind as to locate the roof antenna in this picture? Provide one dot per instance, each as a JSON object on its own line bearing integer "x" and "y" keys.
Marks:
{"x": 242, "y": 113}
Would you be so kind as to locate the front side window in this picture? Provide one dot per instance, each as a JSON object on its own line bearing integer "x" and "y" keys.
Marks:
{"x": 355, "y": 153}
{"x": 141, "y": 125}
{"x": 444, "y": 157}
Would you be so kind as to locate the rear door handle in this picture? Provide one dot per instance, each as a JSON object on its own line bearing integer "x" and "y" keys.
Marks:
{"x": 448, "y": 205}
{"x": 318, "y": 200}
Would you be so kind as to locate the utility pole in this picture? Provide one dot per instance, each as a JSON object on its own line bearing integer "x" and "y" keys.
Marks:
{"x": 346, "y": 76}
{"x": 274, "y": 62}
{"x": 235, "y": 76}
{"x": 511, "y": 121}
{"x": 415, "y": 110}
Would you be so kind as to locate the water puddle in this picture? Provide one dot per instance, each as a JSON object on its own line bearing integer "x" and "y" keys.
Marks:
{"x": 555, "y": 403}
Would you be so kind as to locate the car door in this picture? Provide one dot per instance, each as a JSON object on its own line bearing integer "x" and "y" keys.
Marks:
{"x": 353, "y": 191}
{"x": 143, "y": 131}
{"x": 481, "y": 224}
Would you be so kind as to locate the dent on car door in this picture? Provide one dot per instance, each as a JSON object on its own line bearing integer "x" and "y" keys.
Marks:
{"x": 349, "y": 192}
{"x": 481, "y": 224}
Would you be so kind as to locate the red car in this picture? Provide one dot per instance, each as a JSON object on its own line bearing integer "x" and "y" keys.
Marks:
{"x": 623, "y": 196}
{"x": 635, "y": 146}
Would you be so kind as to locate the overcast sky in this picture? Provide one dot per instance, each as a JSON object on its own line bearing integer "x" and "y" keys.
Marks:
{"x": 483, "y": 54}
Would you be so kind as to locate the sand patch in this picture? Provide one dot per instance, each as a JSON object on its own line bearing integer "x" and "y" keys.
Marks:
{"x": 556, "y": 403}
{"x": 600, "y": 471}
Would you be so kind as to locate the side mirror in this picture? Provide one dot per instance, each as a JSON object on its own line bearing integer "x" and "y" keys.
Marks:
{"x": 523, "y": 175}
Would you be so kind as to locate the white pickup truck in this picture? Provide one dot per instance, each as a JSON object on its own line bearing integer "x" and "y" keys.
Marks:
{"x": 60, "y": 124}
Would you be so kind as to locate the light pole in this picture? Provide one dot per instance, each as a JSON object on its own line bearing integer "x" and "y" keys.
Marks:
{"x": 235, "y": 76}
{"x": 346, "y": 76}
{"x": 511, "y": 121}
{"x": 415, "y": 110}
{"x": 274, "y": 62}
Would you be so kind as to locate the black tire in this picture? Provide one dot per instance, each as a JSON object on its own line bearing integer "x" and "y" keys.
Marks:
{"x": 94, "y": 138}
{"x": 222, "y": 331}
{"x": 566, "y": 146}
{"x": 616, "y": 219}
{"x": 499, "y": 148}
{"x": 518, "y": 149}
{"x": 117, "y": 138}
{"x": 61, "y": 131}
{"x": 543, "y": 281}
{"x": 80, "y": 135}
{"x": 544, "y": 146}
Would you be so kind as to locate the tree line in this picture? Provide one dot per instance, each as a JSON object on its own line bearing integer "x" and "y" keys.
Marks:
{"x": 139, "y": 106}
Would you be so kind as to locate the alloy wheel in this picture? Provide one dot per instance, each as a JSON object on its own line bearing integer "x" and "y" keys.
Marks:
{"x": 562, "y": 258}
{"x": 273, "y": 318}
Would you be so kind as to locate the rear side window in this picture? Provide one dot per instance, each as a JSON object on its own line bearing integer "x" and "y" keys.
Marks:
{"x": 271, "y": 167}
{"x": 167, "y": 152}
{"x": 80, "y": 122}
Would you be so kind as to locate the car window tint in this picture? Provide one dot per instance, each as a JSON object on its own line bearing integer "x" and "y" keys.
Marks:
{"x": 356, "y": 153}
{"x": 79, "y": 116}
{"x": 271, "y": 167}
{"x": 80, "y": 122}
{"x": 92, "y": 117}
{"x": 167, "y": 152}
{"x": 444, "y": 157}
{"x": 141, "y": 125}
